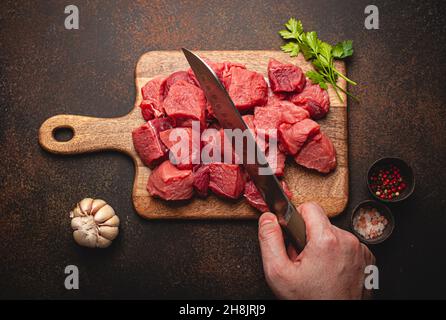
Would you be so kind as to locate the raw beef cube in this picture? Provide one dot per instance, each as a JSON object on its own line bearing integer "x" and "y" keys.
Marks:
{"x": 152, "y": 89}
{"x": 270, "y": 117}
{"x": 185, "y": 101}
{"x": 162, "y": 124}
{"x": 170, "y": 183}
{"x": 255, "y": 199}
{"x": 292, "y": 113}
{"x": 266, "y": 119}
{"x": 226, "y": 180}
{"x": 221, "y": 69}
{"x": 219, "y": 142}
{"x": 293, "y": 136}
{"x": 226, "y": 75}
{"x": 285, "y": 77}
{"x": 201, "y": 180}
{"x": 182, "y": 140}
{"x": 276, "y": 96}
{"x": 172, "y": 79}
{"x": 247, "y": 88}
{"x": 212, "y": 140}
{"x": 151, "y": 92}
{"x": 147, "y": 142}
{"x": 313, "y": 99}
{"x": 276, "y": 161}
{"x": 318, "y": 153}
{"x": 147, "y": 110}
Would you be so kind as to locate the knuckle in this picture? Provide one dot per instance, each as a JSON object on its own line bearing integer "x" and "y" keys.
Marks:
{"x": 307, "y": 206}
{"x": 352, "y": 240}
{"x": 329, "y": 239}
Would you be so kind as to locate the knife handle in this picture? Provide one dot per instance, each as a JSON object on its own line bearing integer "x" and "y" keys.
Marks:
{"x": 294, "y": 227}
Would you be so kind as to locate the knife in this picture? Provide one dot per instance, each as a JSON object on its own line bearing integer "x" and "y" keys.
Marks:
{"x": 267, "y": 183}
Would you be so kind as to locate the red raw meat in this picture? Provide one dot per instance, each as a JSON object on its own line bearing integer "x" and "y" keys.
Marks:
{"x": 223, "y": 146}
{"x": 255, "y": 199}
{"x": 170, "y": 183}
{"x": 247, "y": 88}
{"x": 276, "y": 161}
{"x": 313, "y": 99}
{"x": 293, "y": 136}
{"x": 221, "y": 69}
{"x": 185, "y": 101}
{"x": 277, "y": 157}
{"x": 286, "y": 107}
{"x": 149, "y": 109}
{"x": 271, "y": 116}
{"x": 285, "y": 77}
{"x": 291, "y": 113}
{"x": 147, "y": 142}
{"x": 172, "y": 79}
{"x": 226, "y": 75}
{"x": 226, "y": 180}
{"x": 201, "y": 180}
{"x": 275, "y": 97}
{"x": 261, "y": 141}
{"x": 318, "y": 153}
{"x": 267, "y": 118}
{"x": 182, "y": 161}
{"x": 152, "y": 93}
{"x": 152, "y": 89}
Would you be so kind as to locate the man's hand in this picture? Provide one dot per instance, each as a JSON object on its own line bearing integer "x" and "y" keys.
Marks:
{"x": 331, "y": 266}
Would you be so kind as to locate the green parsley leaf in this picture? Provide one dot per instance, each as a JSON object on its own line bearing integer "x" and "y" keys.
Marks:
{"x": 312, "y": 41}
{"x": 306, "y": 50}
{"x": 294, "y": 26}
{"x": 343, "y": 49}
{"x": 317, "y": 78}
{"x": 320, "y": 53}
{"x": 292, "y": 48}
{"x": 286, "y": 34}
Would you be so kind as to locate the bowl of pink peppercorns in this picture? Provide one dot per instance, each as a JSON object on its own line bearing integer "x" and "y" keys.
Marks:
{"x": 390, "y": 180}
{"x": 372, "y": 222}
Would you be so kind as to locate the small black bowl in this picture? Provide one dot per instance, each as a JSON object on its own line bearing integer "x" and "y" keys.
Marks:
{"x": 405, "y": 171}
{"x": 382, "y": 209}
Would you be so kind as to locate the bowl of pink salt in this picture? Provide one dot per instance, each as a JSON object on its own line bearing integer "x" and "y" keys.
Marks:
{"x": 372, "y": 222}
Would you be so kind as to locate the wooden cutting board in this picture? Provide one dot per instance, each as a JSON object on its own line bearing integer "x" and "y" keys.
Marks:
{"x": 97, "y": 134}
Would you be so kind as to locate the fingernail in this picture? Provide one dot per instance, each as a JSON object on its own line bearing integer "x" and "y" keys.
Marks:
{"x": 267, "y": 218}
{"x": 266, "y": 221}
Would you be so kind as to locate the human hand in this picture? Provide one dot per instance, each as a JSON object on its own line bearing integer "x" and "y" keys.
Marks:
{"x": 331, "y": 266}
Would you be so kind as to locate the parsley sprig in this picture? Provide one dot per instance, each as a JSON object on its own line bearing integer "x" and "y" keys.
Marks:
{"x": 320, "y": 53}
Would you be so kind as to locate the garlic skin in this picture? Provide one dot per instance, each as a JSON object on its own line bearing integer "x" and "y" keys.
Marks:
{"x": 95, "y": 223}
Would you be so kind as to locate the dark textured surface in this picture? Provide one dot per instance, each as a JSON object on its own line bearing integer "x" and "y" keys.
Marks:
{"x": 47, "y": 70}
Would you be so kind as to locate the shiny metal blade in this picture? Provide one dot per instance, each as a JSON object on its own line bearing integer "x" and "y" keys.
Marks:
{"x": 267, "y": 184}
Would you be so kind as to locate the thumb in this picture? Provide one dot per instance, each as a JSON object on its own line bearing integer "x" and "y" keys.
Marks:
{"x": 272, "y": 245}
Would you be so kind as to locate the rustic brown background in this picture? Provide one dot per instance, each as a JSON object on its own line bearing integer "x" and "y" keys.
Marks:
{"x": 47, "y": 70}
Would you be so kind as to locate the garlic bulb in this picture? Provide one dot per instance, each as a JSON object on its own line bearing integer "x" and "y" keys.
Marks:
{"x": 95, "y": 223}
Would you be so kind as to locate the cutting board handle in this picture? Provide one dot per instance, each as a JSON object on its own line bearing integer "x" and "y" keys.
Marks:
{"x": 89, "y": 134}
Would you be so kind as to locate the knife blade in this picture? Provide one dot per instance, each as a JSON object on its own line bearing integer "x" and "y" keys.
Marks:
{"x": 267, "y": 182}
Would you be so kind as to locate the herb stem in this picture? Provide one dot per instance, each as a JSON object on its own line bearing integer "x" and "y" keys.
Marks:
{"x": 344, "y": 77}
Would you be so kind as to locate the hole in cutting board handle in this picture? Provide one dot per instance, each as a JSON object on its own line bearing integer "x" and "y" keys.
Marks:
{"x": 63, "y": 134}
